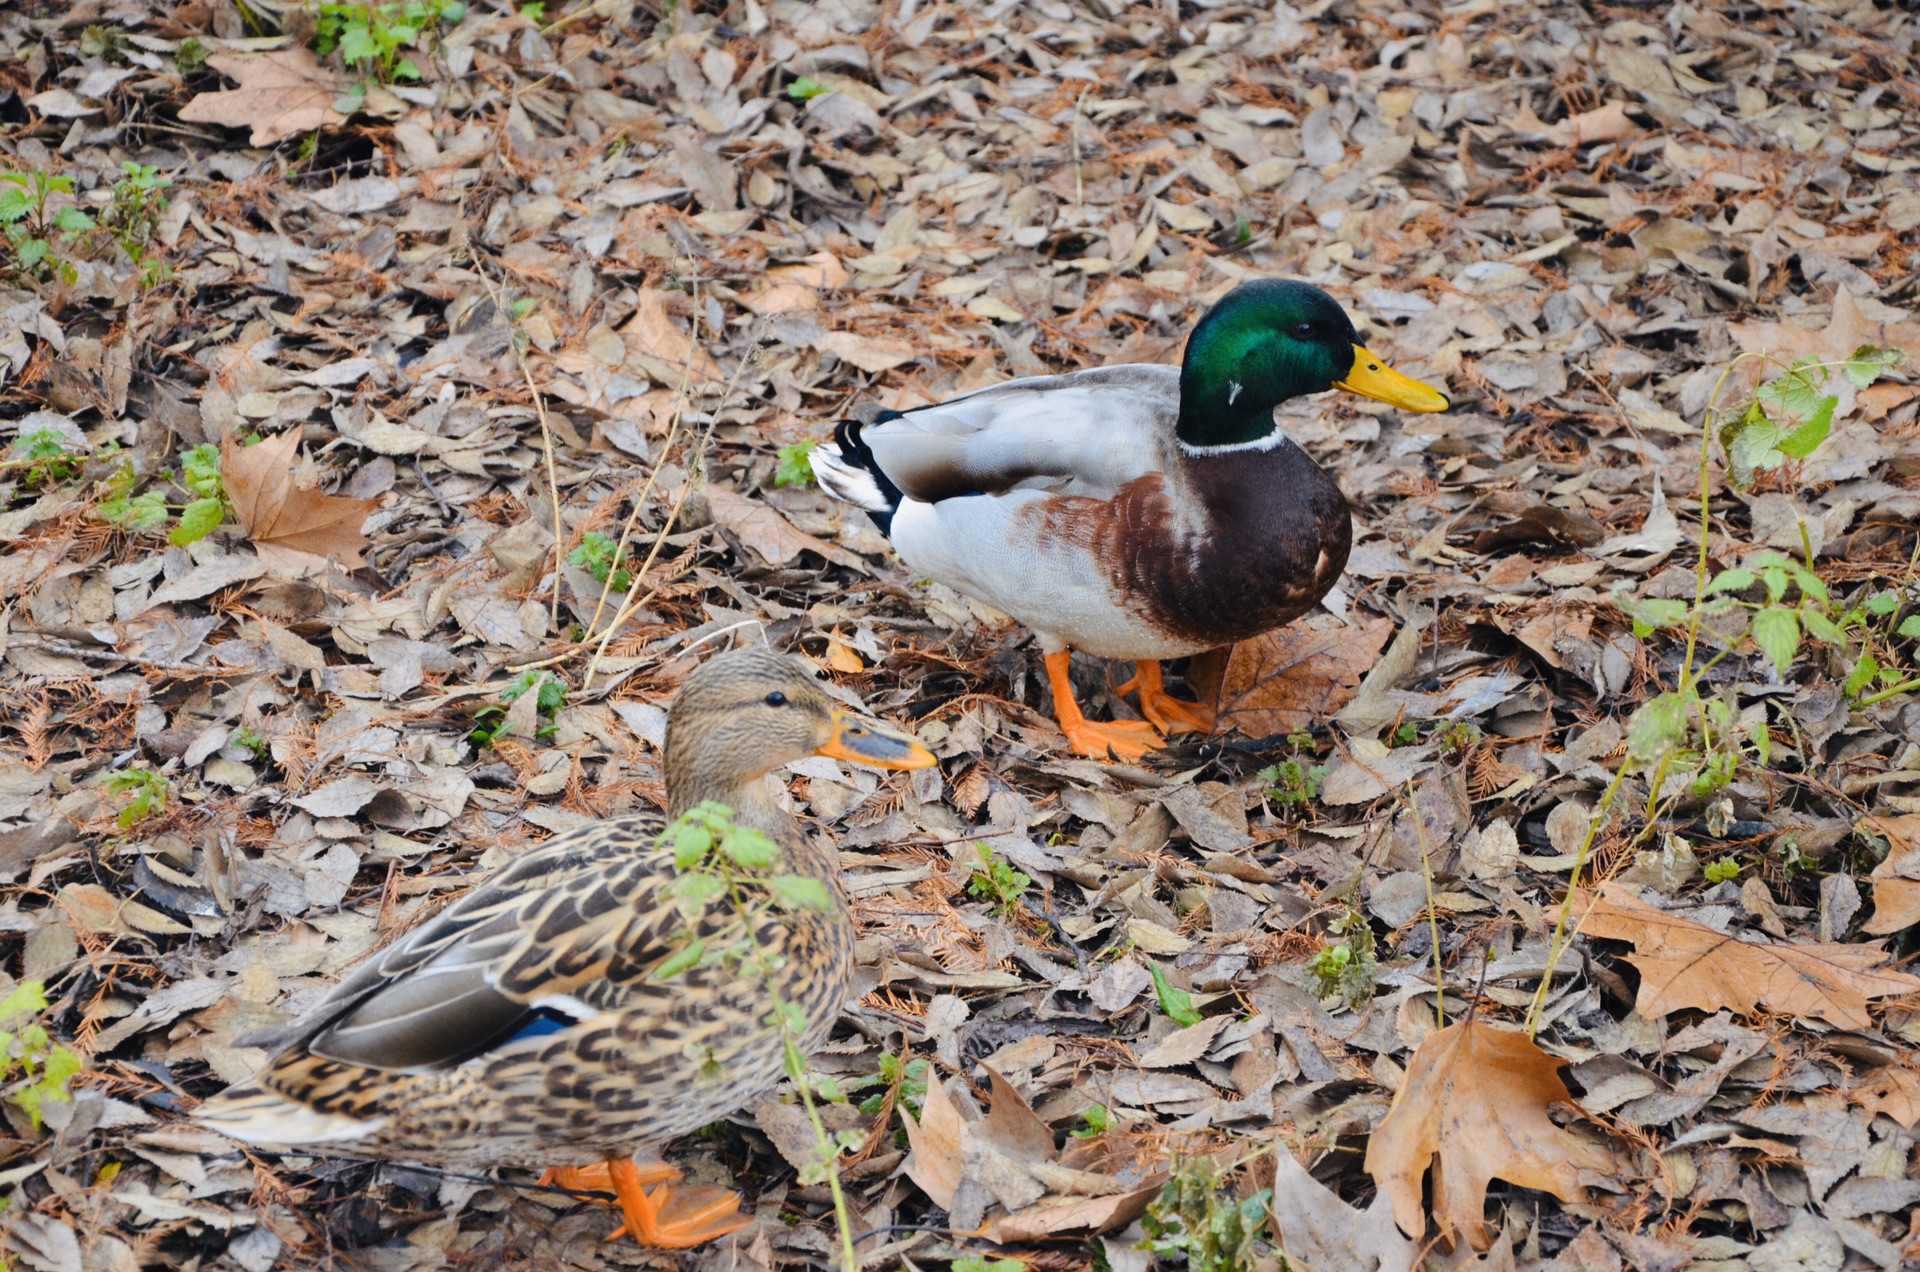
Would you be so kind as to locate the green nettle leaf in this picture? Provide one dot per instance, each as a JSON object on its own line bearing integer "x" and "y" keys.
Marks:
{"x": 690, "y": 845}
{"x": 72, "y": 221}
{"x": 1777, "y": 631}
{"x": 692, "y": 892}
{"x": 1733, "y": 580}
{"x": 406, "y": 70}
{"x": 748, "y": 848}
{"x": 1820, "y": 627}
{"x": 1659, "y": 727}
{"x": 1868, "y": 364}
{"x": 26, "y": 997}
{"x": 1806, "y": 438}
{"x": 197, "y": 520}
{"x": 14, "y": 205}
{"x": 680, "y": 962}
{"x": 356, "y": 45}
{"x": 1862, "y": 675}
{"x": 795, "y": 466}
{"x": 1910, "y": 627}
{"x": 797, "y": 892}
{"x": 1881, "y": 604}
{"x": 1177, "y": 1003}
{"x": 32, "y": 252}
{"x": 1652, "y": 612}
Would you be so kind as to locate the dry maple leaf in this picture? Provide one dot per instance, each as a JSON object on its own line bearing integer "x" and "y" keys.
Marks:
{"x": 1684, "y": 964}
{"x": 1288, "y": 678}
{"x": 298, "y": 530}
{"x": 1474, "y": 1106}
{"x": 1896, "y": 881}
{"x": 280, "y": 93}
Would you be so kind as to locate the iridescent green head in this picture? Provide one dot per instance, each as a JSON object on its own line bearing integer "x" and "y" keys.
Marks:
{"x": 1270, "y": 340}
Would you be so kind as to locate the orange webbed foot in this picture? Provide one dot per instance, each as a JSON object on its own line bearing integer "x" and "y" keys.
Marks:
{"x": 1168, "y": 713}
{"x": 597, "y": 1178}
{"x": 672, "y": 1218}
{"x": 1126, "y": 740}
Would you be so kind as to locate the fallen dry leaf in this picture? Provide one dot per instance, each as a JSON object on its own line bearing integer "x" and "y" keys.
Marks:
{"x": 1896, "y": 881}
{"x": 767, "y": 532}
{"x": 1320, "y": 1231}
{"x": 869, "y": 353}
{"x": 300, "y": 530}
{"x": 652, "y": 337}
{"x": 281, "y": 93}
{"x": 1683, "y": 964}
{"x": 1288, "y": 678}
{"x": 1894, "y": 1091}
{"x": 1474, "y": 1106}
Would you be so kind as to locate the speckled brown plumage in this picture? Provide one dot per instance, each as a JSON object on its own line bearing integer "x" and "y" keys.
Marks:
{"x": 525, "y": 1025}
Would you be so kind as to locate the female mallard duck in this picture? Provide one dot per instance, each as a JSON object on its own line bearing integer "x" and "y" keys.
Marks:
{"x": 523, "y": 1025}
{"x": 1132, "y": 512}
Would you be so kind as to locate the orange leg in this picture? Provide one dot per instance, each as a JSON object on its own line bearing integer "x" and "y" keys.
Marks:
{"x": 1126, "y": 739}
{"x": 1171, "y": 714}
{"x": 667, "y": 1218}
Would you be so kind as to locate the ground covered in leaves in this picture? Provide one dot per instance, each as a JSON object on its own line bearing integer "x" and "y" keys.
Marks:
{"x": 611, "y": 267}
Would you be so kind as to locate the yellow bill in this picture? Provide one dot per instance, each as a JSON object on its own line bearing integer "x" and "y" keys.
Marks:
{"x": 1372, "y": 377}
{"x": 866, "y": 742}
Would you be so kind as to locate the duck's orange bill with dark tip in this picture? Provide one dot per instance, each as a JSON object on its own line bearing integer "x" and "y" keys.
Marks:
{"x": 1372, "y": 377}
{"x": 864, "y": 742}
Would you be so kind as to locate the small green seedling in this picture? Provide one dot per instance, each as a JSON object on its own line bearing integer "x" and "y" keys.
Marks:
{"x": 796, "y": 464}
{"x": 34, "y": 1069}
{"x": 1724, "y": 870}
{"x": 1348, "y": 970}
{"x": 912, "y": 1080}
{"x": 146, "y": 793}
{"x": 32, "y": 227}
{"x": 44, "y": 458}
{"x": 997, "y": 881}
{"x": 491, "y": 721}
{"x": 602, "y": 558}
{"x": 806, "y": 88}
{"x": 1197, "y": 1217}
{"x": 1291, "y": 784}
{"x": 1096, "y": 1121}
{"x": 370, "y": 37}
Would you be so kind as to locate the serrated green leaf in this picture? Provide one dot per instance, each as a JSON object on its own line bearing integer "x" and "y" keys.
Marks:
{"x": 356, "y": 45}
{"x": 1881, "y": 604}
{"x": 1910, "y": 627}
{"x": 14, "y": 205}
{"x": 72, "y": 221}
{"x": 1177, "y": 1003}
{"x": 1868, "y": 364}
{"x": 690, "y": 845}
{"x": 1807, "y": 436}
{"x": 1659, "y": 727}
{"x": 26, "y": 998}
{"x": 1776, "y": 630}
{"x": 1654, "y": 611}
{"x": 1732, "y": 580}
{"x": 1820, "y": 627}
{"x": 692, "y": 892}
{"x": 797, "y": 892}
{"x": 1861, "y": 676}
{"x": 748, "y": 848}
{"x": 197, "y": 520}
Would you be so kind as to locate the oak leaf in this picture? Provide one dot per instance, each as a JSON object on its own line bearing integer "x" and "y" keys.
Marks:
{"x": 1474, "y": 1106}
{"x": 298, "y": 530}
{"x": 1684, "y": 964}
{"x": 280, "y": 93}
{"x": 1896, "y": 881}
{"x": 1288, "y": 678}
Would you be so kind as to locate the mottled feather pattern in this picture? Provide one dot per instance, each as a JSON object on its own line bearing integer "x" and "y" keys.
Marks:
{"x": 583, "y": 919}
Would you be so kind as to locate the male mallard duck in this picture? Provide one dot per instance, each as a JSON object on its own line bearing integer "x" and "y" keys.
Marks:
{"x": 1132, "y": 512}
{"x": 522, "y": 1026}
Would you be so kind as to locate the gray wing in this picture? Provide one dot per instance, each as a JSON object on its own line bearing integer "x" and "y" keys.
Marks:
{"x": 1087, "y": 433}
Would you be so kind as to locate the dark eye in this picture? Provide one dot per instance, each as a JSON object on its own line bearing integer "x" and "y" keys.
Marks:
{"x": 775, "y": 699}
{"x": 1304, "y": 331}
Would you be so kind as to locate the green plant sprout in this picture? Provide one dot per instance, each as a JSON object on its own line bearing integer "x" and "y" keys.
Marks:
{"x": 199, "y": 517}
{"x": 806, "y": 88}
{"x": 997, "y": 881}
{"x": 32, "y": 227}
{"x": 1349, "y": 970}
{"x": 491, "y": 721}
{"x": 1724, "y": 870}
{"x": 796, "y": 465}
{"x": 1291, "y": 784}
{"x": 45, "y": 458}
{"x": 600, "y": 557}
{"x": 139, "y": 200}
{"x": 717, "y": 861}
{"x": 146, "y": 792}
{"x": 907, "y": 1084}
{"x": 370, "y": 37}
{"x": 37, "y": 1070}
{"x": 1787, "y": 418}
{"x": 1196, "y": 1217}
{"x": 1097, "y": 1119}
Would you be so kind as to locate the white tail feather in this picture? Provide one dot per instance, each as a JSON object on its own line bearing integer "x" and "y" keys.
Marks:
{"x": 847, "y": 482}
